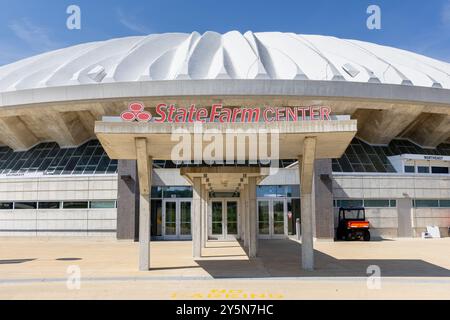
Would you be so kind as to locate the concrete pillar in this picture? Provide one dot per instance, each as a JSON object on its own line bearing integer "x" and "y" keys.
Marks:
{"x": 404, "y": 221}
{"x": 144, "y": 166}
{"x": 127, "y": 201}
{"x": 323, "y": 201}
{"x": 253, "y": 241}
{"x": 242, "y": 215}
{"x": 246, "y": 217}
{"x": 306, "y": 165}
{"x": 204, "y": 215}
{"x": 197, "y": 218}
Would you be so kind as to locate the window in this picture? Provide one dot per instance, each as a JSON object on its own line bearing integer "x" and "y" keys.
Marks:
{"x": 422, "y": 169}
{"x": 410, "y": 169}
{"x": 266, "y": 192}
{"x": 426, "y": 203}
{"x": 439, "y": 170}
{"x": 444, "y": 203}
{"x": 293, "y": 191}
{"x": 75, "y": 205}
{"x": 377, "y": 203}
{"x": 6, "y": 205}
{"x": 278, "y": 191}
{"x": 49, "y": 205}
{"x": 157, "y": 192}
{"x": 25, "y": 205}
{"x": 393, "y": 203}
{"x": 102, "y": 204}
{"x": 177, "y": 192}
{"x": 349, "y": 203}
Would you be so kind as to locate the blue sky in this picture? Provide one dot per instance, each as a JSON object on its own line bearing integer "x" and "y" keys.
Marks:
{"x": 28, "y": 27}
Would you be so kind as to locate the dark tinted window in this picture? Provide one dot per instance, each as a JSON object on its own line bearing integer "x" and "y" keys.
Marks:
{"x": 25, "y": 205}
{"x": 376, "y": 203}
{"x": 444, "y": 203}
{"x": 426, "y": 203}
{"x": 439, "y": 170}
{"x": 6, "y": 205}
{"x": 423, "y": 169}
{"x": 49, "y": 205}
{"x": 75, "y": 205}
{"x": 409, "y": 169}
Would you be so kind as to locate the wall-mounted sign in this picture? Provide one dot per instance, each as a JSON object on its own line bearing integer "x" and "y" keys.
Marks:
{"x": 218, "y": 113}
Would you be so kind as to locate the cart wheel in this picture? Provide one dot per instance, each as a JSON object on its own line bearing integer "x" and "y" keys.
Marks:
{"x": 367, "y": 236}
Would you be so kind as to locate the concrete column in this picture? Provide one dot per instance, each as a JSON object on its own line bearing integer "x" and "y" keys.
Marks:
{"x": 323, "y": 201}
{"x": 242, "y": 215}
{"x": 246, "y": 217}
{"x": 253, "y": 243}
{"x": 306, "y": 166}
{"x": 404, "y": 221}
{"x": 144, "y": 165}
{"x": 197, "y": 218}
{"x": 204, "y": 215}
{"x": 127, "y": 201}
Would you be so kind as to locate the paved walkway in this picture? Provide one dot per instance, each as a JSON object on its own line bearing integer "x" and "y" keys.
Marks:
{"x": 35, "y": 268}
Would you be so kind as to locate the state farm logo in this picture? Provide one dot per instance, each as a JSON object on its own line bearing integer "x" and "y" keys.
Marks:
{"x": 164, "y": 113}
{"x": 136, "y": 112}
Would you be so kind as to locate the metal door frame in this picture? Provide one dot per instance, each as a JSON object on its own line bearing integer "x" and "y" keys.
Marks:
{"x": 225, "y": 236}
{"x": 271, "y": 234}
{"x": 177, "y": 235}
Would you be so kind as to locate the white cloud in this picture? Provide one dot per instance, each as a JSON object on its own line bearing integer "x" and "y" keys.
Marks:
{"x": 36, "y": 37}
{"x": 130, "y": 22}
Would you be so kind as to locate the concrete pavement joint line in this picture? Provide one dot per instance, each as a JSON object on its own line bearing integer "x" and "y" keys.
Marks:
{"x": 207, "y": 278}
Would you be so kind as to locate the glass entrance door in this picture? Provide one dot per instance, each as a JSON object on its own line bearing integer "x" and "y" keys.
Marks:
{"x": 224, "y": 219}
{"x": 177, "y": 219}
{"x": 272, "y": 215}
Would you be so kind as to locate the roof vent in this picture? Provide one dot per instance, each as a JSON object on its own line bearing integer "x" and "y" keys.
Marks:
{"x": 97, "y": 73}
{"x": 407, "y": 82}
{"x": 351, "y": 70}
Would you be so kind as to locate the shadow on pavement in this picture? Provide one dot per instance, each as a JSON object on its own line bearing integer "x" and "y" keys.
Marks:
{"x": 16, "y": 261}
{"x": 282, "y": 258}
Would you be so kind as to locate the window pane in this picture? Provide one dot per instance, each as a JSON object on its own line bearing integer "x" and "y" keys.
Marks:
{"x": 25, "y": 205}
{"x": 376, "y": 203}
{"x": 444, "y": 203}
{"x": 49, "y": 205}
{"x": 177, "y": 192}
{"x": 293, "y": 191}
{"x": 185, "y": 217}
{"x": 216, "y": 218}
{"x": 409, "y": 169}
{"x": 393, "y": 203}
{"x": 6, "y": 205}
{"x": 102, "y": 204}
{"x": 423, "y": 169}
{"x": 156, "y": 192}
{"x": 263, "y": 217}
{"x": 75, "y": 205}
{"x": 439, "y": 170}
{"x": 266, "y": 192}
{"x": 426, "y": 203}
{"x": 171, "y": 214}
{"x": 232, "y": 217}
{"x": 351, "y": 203}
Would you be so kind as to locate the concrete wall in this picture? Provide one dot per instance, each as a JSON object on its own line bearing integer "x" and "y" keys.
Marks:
{"x": 59, "y": 222}
{"x": 386, "y": 222}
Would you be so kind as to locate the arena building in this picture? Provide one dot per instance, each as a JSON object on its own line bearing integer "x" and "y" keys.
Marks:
{"x": 87, "y": 136}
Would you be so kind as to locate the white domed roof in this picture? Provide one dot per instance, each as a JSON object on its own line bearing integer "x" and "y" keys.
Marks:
{"x": 266, "y": 55}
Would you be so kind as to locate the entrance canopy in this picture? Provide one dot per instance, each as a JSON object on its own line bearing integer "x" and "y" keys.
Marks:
{"x": 261, "y": 141}
{"x": 222, "y": 142}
